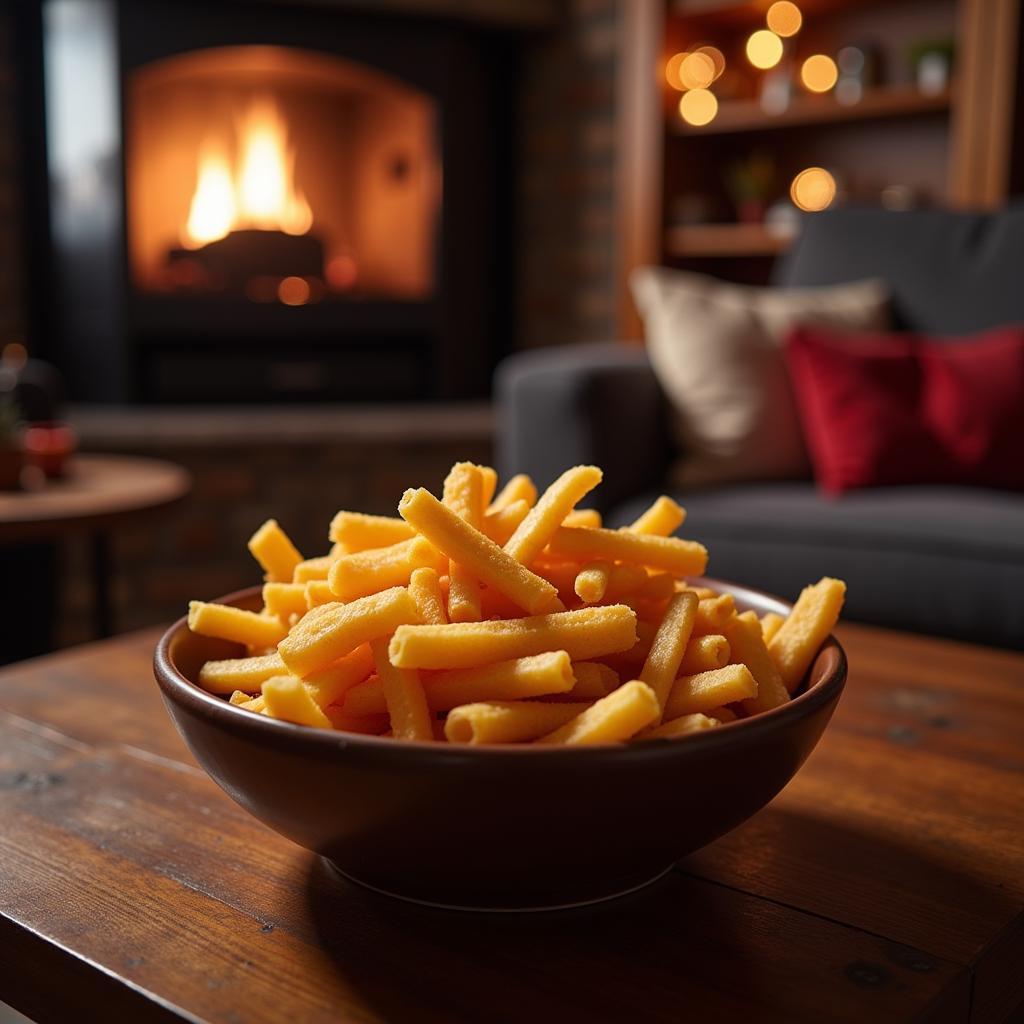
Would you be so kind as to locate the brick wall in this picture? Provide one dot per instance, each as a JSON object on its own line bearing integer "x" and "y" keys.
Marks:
{"x": 12, "y": 323}
{"x": 566, "y": 243}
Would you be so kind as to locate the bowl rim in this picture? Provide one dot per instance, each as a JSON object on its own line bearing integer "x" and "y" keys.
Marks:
{"x": 178, "y": 689}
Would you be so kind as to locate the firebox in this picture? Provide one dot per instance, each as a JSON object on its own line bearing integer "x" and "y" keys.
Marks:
{"x": 265, "y": 201}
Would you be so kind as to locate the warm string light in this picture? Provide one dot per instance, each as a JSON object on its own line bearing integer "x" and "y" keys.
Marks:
{"x": 698, "y": 107}
{"x": 697, "y": 71}
{"x": 692, "y": 72}
{"x": 819, "y": 73}
{"x": 764, "y": 49}
{"x": 813, "y": 189}
{"x": 784, "y": 18}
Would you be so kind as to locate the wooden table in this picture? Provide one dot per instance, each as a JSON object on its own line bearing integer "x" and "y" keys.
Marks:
{"x": 100, "y": 493}
{"x": 885, "y": 884}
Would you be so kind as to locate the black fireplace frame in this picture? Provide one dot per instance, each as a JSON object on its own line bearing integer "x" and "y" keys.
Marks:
{"x": 116, "y": 344}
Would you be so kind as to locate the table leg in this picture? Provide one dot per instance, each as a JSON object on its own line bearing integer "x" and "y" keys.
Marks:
{"x": 28, "y": 573}
{"x": 102, "y": 605}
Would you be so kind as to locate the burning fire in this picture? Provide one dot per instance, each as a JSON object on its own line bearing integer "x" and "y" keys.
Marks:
{"x": 260, "y": 194}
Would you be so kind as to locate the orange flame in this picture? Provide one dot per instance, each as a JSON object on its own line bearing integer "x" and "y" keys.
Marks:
{"x": 262, "y": 192}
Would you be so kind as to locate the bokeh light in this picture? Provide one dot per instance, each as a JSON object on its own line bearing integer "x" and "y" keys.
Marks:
{"x": 819, "y": 73}
{"x": 784, "y": 18}
{"x": 813, "y": 189}
{"x": 715, "y": 55}
{"x": 698, "y": 107}
{"x": 293, "y": 291}
{"x": 764, "y": 49}
{"x": 672, "y": 69}
{"x": 697, "y": 71}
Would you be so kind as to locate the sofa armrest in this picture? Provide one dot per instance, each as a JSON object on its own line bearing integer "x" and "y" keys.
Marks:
{"x": 597, "y": 404}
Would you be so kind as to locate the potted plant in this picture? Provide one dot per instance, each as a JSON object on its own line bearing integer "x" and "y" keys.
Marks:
{"x": 11, "y": 455}
{"x": 750, "y": 183}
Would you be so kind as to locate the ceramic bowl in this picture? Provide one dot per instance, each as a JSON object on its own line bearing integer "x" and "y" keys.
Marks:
{"x": 495, "y": 827}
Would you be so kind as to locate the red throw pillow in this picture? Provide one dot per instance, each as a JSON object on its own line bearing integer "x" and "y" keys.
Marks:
{"x": 883, "y": 409}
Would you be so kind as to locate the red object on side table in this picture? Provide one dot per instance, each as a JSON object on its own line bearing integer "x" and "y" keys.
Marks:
{"x": 890, "y": 409}
{"x": 49, "y": 446}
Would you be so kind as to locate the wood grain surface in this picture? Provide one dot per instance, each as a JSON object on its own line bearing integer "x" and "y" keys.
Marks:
{"x": 886, "y": 883}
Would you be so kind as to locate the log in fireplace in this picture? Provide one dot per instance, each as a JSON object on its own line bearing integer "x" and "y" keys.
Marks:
{"x": 258, "y": 201}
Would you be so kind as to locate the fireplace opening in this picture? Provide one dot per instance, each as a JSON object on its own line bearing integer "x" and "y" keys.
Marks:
{"x": 279, "y": 175}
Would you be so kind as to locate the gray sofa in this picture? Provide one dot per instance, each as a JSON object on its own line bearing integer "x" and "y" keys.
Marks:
{"x": 942, "y": 560}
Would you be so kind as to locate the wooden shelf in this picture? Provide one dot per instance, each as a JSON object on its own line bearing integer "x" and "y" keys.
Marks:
{"x": 747, "y": 116}
{"x": 723, "y": 240}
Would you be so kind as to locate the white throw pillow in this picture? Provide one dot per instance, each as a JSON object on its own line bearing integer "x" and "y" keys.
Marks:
{"x": 717, "y": 350}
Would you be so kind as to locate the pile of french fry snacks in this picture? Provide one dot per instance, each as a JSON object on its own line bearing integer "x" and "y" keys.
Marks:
{"x": 506, "y": 617}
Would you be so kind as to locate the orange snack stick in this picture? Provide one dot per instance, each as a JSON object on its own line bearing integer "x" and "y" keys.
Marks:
{"x": 713, "y": 613}
{"x": 488, "y": 485}
{"x": 507, "y": 721}
{"x": 463, "y": 494}
{"x": 547, "y": 515}
{"x": 277, "y": 555}
{"x": 612, "y": 719}
{"x": 284, "y": 600}
{"x": 663, "y": 518}
{"x": 707, "y": 690}
{"x": 313, "y": 568}
{"x": 682, "y": 557}
{"x": 723, "y": 714}
{"x": 669, "y": 645}
{"x": 501, "y": 524}
{"x": 367, "y": 725}
{"x": 519, "y": 488}
{"x": 286, "y": 698}
{"x": 479, "y": 554}
{"x": 318, "y": 592}
{"x": 585, "y": 518}
{"x": 704, "y": 653}
{"x": 245, "y": 674}
{"x": 404, "y": 697}
{"x": 329, "y": 684}
{"x": 591, "y": 583}
{"x": 331, "y": 631}
{"x": 747, "y": 647}
{"x": 771, "y": 623}
{"x": 682, "y": 726}
{"x": 229, "y": 623}
{"x": 584, "y": 634}
{"x": 358, "y": 531}
{"x": 808, "y": 625}
{"x": 425, "y": 590}
{"x": 368, "y": 572}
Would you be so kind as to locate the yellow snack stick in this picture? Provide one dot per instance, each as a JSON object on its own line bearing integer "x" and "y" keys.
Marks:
{"x": 286, "y": 698}
{"x": 480, "y": 555}
{"x": 612, "y": 719}
{"x": 367, "y": 725}
{"x": 404, "y": 697}
{"x": 704, "y": 653}
{"x": 625, "y": 580}
{"x": 682, "y": 557}
{"x": 713, "y": 613}
{"x": 584, "y": 634}
{"x": 669, "y": 645}
{"x": 799, "y": 639}
{"x": 723, "y": 714}
{"x": 277, "y": 555}
{"x": 318, "y": 592}
{"x": 507, "y": 721}
{"x": 518, "y": 488}
{"x": 331, "y": 631}
{"x": 747, "y": 647}
{"x": 592, "y": 581}
{"x": 257, "y": 705}
{"x": 593, "y": 680}
{"x": 659, "y": 587}
{"x": 489, "y": 484}
{"x": 681, "y": 726}
{"x": 546, "y": 516}
{"x": 585, "y": 518}
{"x": 368, "y": 572}
{"x": 228, "y": 623}
{"x": 365, "y": 698}
{"x": 245, "y": 674}
{"x": 329, "y": 684}
{"x": 284, "y": 600}
{"x": 704, "y": 593}
{"x": 663, "y": 518}
{"x": 501, "y": 524}
{"x": 637, "y": 654}
{"x": 463, "y": 494}
{"x": 360, "y": 532}
{"x": 238, "y": 697}
{"x": 771, "y": 622}
{"x": 314, "y": 568}
{"x": 425, "y": 590}
{"x": 519, "y": 678}
{"x": 561, "y": 575}
{"x": 707, "y": 690}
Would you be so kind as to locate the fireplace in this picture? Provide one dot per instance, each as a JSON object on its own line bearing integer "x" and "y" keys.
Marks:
{"x": 292, "y": 202}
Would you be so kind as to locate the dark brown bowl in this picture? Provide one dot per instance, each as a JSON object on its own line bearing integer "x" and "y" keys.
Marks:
{"x": 495, "y": 827}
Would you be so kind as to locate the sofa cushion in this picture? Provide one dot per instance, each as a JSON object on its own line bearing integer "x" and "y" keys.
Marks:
{"x": 717, "y": 350}
{"x": 948, "y": 272}
{"x": 906, "y": 409}
{"x": 942, "y": 560}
